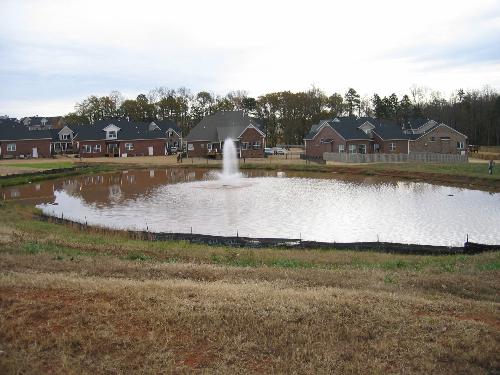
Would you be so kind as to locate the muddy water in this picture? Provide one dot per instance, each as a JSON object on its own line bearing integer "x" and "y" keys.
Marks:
{"x": 321, "y": 207}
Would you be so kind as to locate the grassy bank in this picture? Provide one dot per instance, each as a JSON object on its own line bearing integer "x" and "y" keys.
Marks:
{"x": 79, "y": 302}
{"x": 50, "y": 174}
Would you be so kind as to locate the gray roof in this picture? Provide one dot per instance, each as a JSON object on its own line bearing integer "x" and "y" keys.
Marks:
{"x": 129, "y": 130}
{"x": 415, "y": 123}
{"x": 16, "y": 132}
{"x": 168, "y": 124}
{"x": 348, "y": 128}
{"x": 221, "y": 125}
{"x": 389, "y": 130}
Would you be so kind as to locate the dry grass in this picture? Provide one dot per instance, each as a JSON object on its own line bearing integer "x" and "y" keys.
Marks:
{"x": 74, "y": 303}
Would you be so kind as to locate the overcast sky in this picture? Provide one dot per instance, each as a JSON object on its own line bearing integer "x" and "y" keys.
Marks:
{"x": 56, "y": 52}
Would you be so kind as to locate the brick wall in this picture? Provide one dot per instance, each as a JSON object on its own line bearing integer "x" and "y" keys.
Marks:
{"x": 198, "y": 149}
{"x": 25, "y": 147}
{"x": 314, "y": 147}
{"x": 139, "y": 148}
{"x": 251, "y": 136}
{"x": 433, "y": 142}
{"x": 385, "y": 145}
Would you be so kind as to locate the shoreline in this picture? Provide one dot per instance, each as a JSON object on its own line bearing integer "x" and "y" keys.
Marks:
{"x": 469, "y": 248}
{"x": 463, "y": 176}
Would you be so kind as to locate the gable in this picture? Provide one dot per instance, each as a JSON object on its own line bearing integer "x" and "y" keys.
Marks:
{"x": 367, "y": 127}
{"x": 111, "y": 128}
{"x": 441, "y": 127}
{"x": 169, "y": 131}
{"x": 251, "y": 127}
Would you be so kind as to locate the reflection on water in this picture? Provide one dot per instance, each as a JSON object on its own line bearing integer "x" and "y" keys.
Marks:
{"x": 322, "y": 207}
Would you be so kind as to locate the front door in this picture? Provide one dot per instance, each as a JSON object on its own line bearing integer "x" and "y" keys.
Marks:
{"x": 150, "y": 150}
{"x": 113, "y": 149}
{"x": 34, "y": 152}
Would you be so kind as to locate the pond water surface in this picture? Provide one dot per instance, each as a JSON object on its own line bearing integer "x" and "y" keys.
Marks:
{"x": 319, "y": 207}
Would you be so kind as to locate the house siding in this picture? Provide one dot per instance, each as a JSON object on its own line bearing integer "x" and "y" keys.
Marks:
{"x": 25, "y": 147}
{"x": 141, "y": 147}
{"x": 251, "y": 136}
{"x": 425, "y": 144}
{"x": 198, "y": 151}
{"x": 401, "y": 145}
{"x": 357, "y": 143}
{"x": 314, "y": 147}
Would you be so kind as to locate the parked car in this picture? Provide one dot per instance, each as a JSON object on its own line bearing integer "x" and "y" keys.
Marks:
{"x": 279, "y": 151}
{"x": 268, "y": 151}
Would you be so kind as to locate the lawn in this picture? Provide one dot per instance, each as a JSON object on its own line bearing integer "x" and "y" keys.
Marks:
{"x": 76, "y": 301}
{"x": 41, "y": 165}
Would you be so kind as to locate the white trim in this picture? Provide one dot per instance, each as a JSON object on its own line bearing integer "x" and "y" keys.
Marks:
{"x": 253, "y": 127}
{"x": 170, "y": 129}
{"x": 65, "y": 127}
{"x": 322, "y": 127}
{"x": 442, "y": 124}
{"x": 111, "y": 127}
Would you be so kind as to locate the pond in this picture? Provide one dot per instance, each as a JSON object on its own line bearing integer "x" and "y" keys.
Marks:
{"x": 311, "y": 206}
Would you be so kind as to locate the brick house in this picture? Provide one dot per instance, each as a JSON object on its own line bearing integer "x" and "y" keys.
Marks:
{"x": 345, "y": 134}
{"x": 207, "y": 138}
{"x": 62, "y": 141}
{"x": 17, "y": 141}
{"x": 438, "y": 138}
{"x": 125, "y": 138}
{"x": 42, "y": 123}
{"x": 173, "y": 132}
{"x": 366, "y": 135}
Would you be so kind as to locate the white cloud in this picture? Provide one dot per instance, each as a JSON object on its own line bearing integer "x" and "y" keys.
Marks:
{"x": 259, "y": 46}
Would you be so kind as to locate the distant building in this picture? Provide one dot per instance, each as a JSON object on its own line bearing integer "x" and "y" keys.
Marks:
{"x": 105, "y": 138}
{"x": 17, "y": 141}
{"x": 42, "y": 123}
{"x": 208, "y": 136}
{"x": 367, "y": 135}
{"x": 126, "y": 138}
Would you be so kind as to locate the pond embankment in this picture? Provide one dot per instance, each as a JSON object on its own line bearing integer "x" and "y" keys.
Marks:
{"x": 286, "y": 243}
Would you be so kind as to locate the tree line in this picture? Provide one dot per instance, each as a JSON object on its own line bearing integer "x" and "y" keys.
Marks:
{"x": 287, "y": 116}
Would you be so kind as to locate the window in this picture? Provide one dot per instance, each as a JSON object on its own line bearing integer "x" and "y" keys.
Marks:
{"x": 209, "y": 146}
{"x": 392, "y": 147}
{"x": 445, "y": 139}
{"x": 432, "y": 139}
{"x": 65, "y": 137}
{"x": 97, "y": 148}
{"x": 341, "y": 149}
{"x": 87, "y": 149}
{"x": 245, "y": 145}
{"x": 190, "y": 147}
{"x": 111, "y": 134}
{"x": 203, "y": 145}
{"x": 129, "y": 146}
{"x": 256, "y": 145}
{"x": 362, "y": 149}
{"x": 460, "y": 145}
{"x": 352, "y": 149}
{"x": 11, "y": 147}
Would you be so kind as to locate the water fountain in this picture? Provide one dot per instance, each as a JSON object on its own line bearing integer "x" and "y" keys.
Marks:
{"x": 230, "y": 172}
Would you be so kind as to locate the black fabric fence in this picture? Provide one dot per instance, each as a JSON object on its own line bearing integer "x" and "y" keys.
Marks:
{"x": 292, "y": 243}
